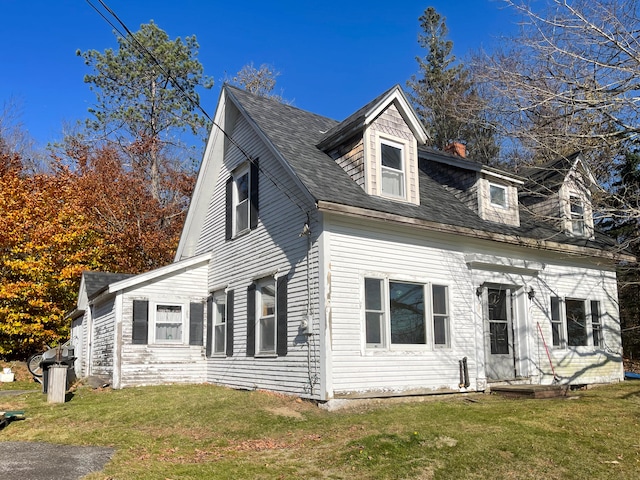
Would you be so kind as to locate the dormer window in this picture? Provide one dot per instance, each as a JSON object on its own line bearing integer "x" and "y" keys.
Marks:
{"x": 498, "y": 195}
{"x": 497, "y": 201}
{"x": 577, "y": 215}
{"x": 392, "y": 168}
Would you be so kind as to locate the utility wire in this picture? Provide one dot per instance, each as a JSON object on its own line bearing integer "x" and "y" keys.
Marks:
{"x": 133, "y": 41}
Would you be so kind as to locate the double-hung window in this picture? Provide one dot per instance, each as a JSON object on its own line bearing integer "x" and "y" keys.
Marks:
{"x": 168, "y": 323}
{"x": 392, "y": 168}
{"x": 405, "y": 313}
{"x": 241, "y": 201}
{"x": 576, "y": 208}
{"x": 574, "y": 320}
{"x": 266, "y": 301}
{"x": 219, "y": 324}
{"x": 557, "y": 330}
{"x": 440, "y": 310}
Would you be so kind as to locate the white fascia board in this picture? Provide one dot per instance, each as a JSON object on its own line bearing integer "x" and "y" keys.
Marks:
{"x": 406, "y": 110}
{"x": 159, "y": 272}
{"x": 502, "y": 176}
{"x": 585, "y": 168}
{"x": 201, "y": 194}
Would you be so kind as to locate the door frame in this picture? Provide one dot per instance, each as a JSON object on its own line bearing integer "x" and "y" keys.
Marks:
{"x": 501, "y": 366}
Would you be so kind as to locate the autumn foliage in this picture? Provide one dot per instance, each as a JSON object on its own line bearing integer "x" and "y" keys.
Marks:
{"x": 89, "y": 212}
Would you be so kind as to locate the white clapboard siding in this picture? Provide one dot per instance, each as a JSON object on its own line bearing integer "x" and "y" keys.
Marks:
{"x": 359, "y": 249}
{"x": 153, "y": 364}
{"x": 78, "y": 336}
{"x": 585, "y": 364}
{"x": 102, "y": 342}
{"x": 274, "y": 247}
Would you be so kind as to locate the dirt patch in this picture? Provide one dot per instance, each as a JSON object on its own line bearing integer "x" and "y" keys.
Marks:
{"x": 286, "y": 412}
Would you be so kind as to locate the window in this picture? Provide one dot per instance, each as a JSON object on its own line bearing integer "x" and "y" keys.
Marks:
{"x": 241, "y": 210}
{"x": 576, "y": 323}
{"x": 569, "y": 325}
{"x": 241, "y": 201}
{"x": 392, "y": 161}
{"x": 219, "y": 324}
{"x": 168, "y": 324}
{"x": 406, "y": 313}
{"x": 556, "y": 322}
{"x": 596, "y": 325}
{"x": 374, "y": 313}
{"x": 266, "y": 316}
{"x": 498, "y": 195}
{"x": 397, "y": 313}
{"x": 267, "y": 328}
{"x": 440, "y": 315}
{"x": 577, "y": 215}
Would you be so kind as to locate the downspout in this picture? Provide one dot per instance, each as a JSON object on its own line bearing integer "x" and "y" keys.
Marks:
{"x": 307, "y": 322}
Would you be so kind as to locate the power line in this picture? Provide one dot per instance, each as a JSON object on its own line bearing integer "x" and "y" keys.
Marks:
{"x": 133, "y": 41}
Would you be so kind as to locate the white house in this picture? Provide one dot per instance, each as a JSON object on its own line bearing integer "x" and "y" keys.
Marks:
{"x": 344, "y": 259}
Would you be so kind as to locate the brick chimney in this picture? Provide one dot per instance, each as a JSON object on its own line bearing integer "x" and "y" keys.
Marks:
{"x": 458, "y": 149}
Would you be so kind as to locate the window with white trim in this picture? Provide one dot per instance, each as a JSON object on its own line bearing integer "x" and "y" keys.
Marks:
{"x": 575, "y": 322}
{"x": 405, "y": 313}
{"x": 266, "y": 315}
{"x": 392, "y": 168}
{"x": 169, "y": 320}
{"x": 219, "y": 323}
{"x": 241, "y": 202}
{"x": 576, "y": 208}
{"x": 498, "y": 195}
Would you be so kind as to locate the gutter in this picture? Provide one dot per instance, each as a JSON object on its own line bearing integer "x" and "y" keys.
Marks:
{"x": 340, "y": 209}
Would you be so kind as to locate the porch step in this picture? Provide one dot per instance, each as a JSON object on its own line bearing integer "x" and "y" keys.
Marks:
{"x": 530, "y": 391}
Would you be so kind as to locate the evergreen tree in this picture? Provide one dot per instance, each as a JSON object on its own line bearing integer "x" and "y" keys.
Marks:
{"x": 142, "y": 92}
{"x": 444, "y": 95}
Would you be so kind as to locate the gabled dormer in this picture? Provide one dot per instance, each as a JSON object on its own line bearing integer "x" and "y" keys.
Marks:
{"x": 560, "y": 191}
{"x": 378, "y": 147}
{"x": 489, "y": 192}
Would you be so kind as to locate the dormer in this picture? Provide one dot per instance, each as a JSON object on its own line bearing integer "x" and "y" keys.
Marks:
{"x": 489, "y": 192}
{"x": 498, "y": 197}
{"x": 561, "y": 191}
{"x": 378, "y": 147}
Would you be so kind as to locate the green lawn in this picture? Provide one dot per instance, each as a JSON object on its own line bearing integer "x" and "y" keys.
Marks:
{"x": 210, "y": 432}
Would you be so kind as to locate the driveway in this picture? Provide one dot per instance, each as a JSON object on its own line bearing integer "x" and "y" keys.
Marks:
{"x": 45, "y": 461}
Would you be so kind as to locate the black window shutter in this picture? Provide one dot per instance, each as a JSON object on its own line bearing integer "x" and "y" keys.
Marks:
{"x": 209, "y": 325}
{"x": 196, "y": 318}
{"x": 251, "y": 320}
{"x": 253, "y": 194}
{"x": 230, "y": 323}
{"x": 140, "y": 322}
{"x": 281, "y": 312}
{"x": 228, "y": 224}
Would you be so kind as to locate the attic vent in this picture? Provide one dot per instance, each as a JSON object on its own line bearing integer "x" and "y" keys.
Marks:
{"x": 458, "y": 149}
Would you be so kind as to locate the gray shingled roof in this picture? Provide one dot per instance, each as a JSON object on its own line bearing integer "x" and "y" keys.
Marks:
{"x": 96, "y": 282}
{"x": 295, "y": 133}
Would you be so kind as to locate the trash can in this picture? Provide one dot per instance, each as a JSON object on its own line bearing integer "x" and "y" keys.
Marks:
{"x": 56, "y": 357}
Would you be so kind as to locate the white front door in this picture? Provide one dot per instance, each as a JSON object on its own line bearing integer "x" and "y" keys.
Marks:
{"x": 498, "y": 333}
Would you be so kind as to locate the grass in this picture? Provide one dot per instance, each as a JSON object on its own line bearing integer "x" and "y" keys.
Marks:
{"x": 210, "y": 432}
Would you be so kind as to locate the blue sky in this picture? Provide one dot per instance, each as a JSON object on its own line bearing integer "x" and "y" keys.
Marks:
{"x": 333, "y": 56}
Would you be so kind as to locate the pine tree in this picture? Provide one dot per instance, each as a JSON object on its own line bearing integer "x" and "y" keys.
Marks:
{"x": 444, "y": 95}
